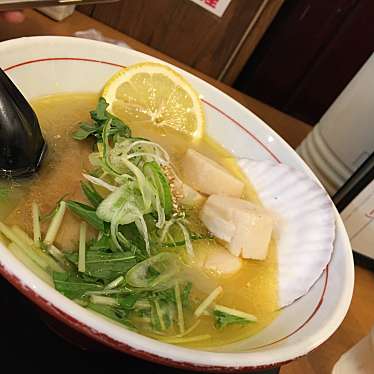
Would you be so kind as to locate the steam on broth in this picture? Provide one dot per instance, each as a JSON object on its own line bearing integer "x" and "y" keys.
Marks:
{"x": 156, "y": 312}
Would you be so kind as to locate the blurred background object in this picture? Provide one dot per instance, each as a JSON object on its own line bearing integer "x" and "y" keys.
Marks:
{"x": 94, "y": 34}
{"x": 359, "y": 359}
{"x": 6, "y": 5}
{"x": 344, "y": 137}
{"x": 58, "y": 13}
{"x": 355, "y": 202}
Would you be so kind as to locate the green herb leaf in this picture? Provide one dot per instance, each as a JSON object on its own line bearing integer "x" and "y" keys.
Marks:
{"x": 186, "y": 294}
{"x": 91, "y": 194}
{"x": 118, "y": 128}
{"x": 224, "y": 319}
{"x": 105, "y": 265}
{"x": 74, "y": 286}
{"x": 128, "y": 301}
{"x": 87, "y": 213}
{"x": 165, "y": 295}
{"x": 114, "y": 313}
{"x": 128, "y": 245}
{"x": 100, "y": 116}
{"x": 84, "y": 131}
{"x": 103, "y": 244}
{"x": 131, "y": 233}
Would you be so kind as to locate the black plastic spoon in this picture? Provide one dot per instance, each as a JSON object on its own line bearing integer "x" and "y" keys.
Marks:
{"x": 22, "y": 146}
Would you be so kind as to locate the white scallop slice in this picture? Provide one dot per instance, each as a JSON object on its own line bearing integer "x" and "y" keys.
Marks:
{"x": 304, "y": 224}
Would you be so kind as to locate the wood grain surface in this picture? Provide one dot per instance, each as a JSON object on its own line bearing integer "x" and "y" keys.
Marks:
{"x": 356, "y": 325}
{"x": 191, "y": 34}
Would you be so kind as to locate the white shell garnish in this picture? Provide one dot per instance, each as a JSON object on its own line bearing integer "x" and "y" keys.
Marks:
{"x": 304, "y": 227}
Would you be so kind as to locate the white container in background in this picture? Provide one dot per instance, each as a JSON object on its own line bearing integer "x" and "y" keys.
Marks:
{"x": 344, "y": 136}
{"x": 359, "y": 359}
{"x": 59, "y": 12}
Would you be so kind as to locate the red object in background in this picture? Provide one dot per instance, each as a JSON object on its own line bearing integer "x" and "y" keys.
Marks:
{"x": 211, "y": 3}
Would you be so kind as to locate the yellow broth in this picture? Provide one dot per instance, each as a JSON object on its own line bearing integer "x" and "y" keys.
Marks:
{"x": 253, "y": 289}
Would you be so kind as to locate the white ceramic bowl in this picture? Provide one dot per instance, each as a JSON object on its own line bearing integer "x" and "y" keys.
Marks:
{"x": 46, "y": 65}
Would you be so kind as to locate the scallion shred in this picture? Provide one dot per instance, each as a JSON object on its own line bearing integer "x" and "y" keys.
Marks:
{"x": 55, "y": 224}
{"x": 82, "y": 247}
{"x": 36, "y": 223}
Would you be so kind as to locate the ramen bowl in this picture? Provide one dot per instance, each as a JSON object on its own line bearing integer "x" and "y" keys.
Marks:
{"x": 42, "y": 66}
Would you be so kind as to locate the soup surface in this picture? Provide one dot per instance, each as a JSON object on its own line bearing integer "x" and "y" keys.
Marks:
{"x": 253, "y": 289}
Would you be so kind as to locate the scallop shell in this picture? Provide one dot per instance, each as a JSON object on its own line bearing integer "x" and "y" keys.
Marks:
{"x": 304, "y": 224}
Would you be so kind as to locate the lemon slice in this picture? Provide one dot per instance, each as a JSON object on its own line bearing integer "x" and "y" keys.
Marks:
{"x": 153, "y": 94}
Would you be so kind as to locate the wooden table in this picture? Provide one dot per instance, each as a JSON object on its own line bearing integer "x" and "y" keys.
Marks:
{"x": 360, "y": 317}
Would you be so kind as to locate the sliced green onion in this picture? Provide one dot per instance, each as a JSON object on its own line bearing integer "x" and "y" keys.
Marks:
{"x": 142, "y": 320}
{"x": 40, "y": 257}
{"x": 235, "y": 312}
{"x": 106, "y": 148}
{"x": 187, "y": 239}
{"x": 99, "y": 182}
{"x": 208, "y": 301}
{"x": 24, "y": 257}
{"x": 105, "y": 292}
{"x": 100, "y": 147}
{"x": 157, "y": 158}
{"x": 22, "y": 235}
{"x": 20, "y": 242}
{"x": 115, "y": 283}
{"x": 152, "y": 144}
{"x": 114, "y": 223}
{"x": 189, "y": 330}
{"x": 166, "y": 228}
{"x": 160, "y": 182}
{"x": 160, "y": 212}
{"x": 7, "y": 231}
{"x": 56, "y": 253}
{"x": 103, "y": 300}
{"x": 143, "y": 184}
{"x": 166, "y": 263}
{"x": 36, "y": 223}
{"x": 142, "y": 304}
{"x": 124, "y": 178}
{"x": 179, "y": 307}
{"x": 142, "y": 227}
{"x": 186, "y": 332}
{"x": 55, "y": 224}
{"x": 80, "y": 302}
{"x": 126, "y": 243}
{"x": 95, "y": 158}
{"x": 82, "y": 247}
{"x": 160, "y": 316}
